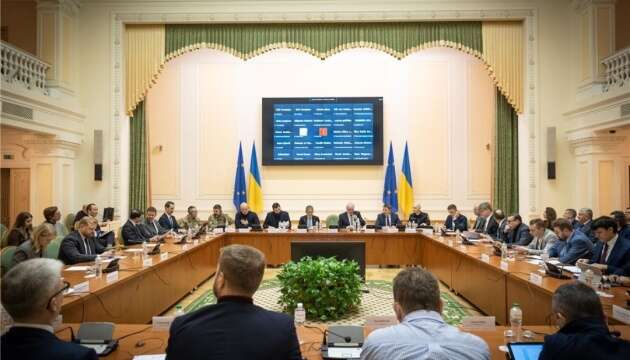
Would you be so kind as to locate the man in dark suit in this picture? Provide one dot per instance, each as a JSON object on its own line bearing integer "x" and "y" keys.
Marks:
{"x": 276, "y": 217}
{"x": 572, "y": 244}
{"x": 105, "y": 239}
{"x": 455, "y": 221}
{"x": 585, "y": 218}
{"x": 32, "y": 293}
{"x": 519, "y": 233}
{"x": 245, "y": 218}
{"x": 611, "y": 254}
{"x": 583, "y": 330}
{"x": 386, "y": 218}
{"x": 167, "y": 220}
{"x": 419, "y": 217}
{"x": 479, "y": 220}
{"x": 309, "y": 220}
{"x": 79, "y": 245}
{"x": 490, "y": 225}
{"x": 501, "y": 234}
{"x": 623, "y": 228}
{"x": 234, "y": 328}
{"x": 570, "y": 215}
{"x": 350, "y": 217}
{"x": 151, "y": 226}
{"x": 132, "y": 232}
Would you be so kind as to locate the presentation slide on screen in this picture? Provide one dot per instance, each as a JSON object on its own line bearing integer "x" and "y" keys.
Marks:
{"x": 333, "y": 132}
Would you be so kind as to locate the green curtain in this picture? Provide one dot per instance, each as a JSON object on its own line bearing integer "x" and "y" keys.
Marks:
{"x": 505, "y": 184}
{"x": 138, "y": 158}
{"x": 323, "y": 38}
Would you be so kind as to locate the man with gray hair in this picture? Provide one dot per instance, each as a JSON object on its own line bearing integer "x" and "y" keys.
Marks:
{"x": 350, "y": 217}
{"x": 245, "y": 218}
{"x": 32, "y": 293}
{"x": 422, "y": 333}
{"x": 585, "y": 219}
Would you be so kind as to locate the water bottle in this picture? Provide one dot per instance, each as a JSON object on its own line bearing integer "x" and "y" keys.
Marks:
{"x": 317, "y": 226}
{"x": 299, "y": 315}
{"x": 179, "y": 311}
{"x": 588, "y": 277}
{"x": 516, "y": 321}
{"x": 504, "y": 251}
{"x": 98, "y": 266}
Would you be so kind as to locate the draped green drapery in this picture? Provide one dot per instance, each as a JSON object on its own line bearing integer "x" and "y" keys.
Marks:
{"x": 323, "y": 39}
{"x": 138, "y": 160}
{"x": 505, "y": 184}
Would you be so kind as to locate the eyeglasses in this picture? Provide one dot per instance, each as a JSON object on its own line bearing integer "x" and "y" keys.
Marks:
{"x": 66, "y": 286}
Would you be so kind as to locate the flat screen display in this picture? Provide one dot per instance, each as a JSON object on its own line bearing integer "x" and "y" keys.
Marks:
{"x": 322, "y": 131}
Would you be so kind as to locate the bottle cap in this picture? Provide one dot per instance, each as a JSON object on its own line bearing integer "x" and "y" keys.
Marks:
{"x": 300, "y": 305}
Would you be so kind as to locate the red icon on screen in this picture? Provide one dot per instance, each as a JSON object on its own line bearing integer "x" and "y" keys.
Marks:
{"x": 323, "y": 131}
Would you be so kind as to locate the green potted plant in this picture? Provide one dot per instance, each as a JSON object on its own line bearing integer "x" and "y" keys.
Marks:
{"x": 328, "y": 288}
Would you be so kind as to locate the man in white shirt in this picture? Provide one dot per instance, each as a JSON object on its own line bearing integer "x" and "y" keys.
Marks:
{"x": 422, "y": 333}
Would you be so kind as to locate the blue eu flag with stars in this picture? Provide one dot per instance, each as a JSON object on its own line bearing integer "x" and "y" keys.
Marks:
{"x": 390, "y": 192}
{"x": 240, "y": 194}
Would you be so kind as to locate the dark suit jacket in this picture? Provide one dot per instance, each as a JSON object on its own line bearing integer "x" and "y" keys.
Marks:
{"x": 73, "y": 251}
{"x": 422, "y": 218}
{"x": 586, "y": 338}
{"x": 461, "y": 223}
{"x": 624, "y": 233}
{"x": 520, "y": 235}
{"x": 618, "y": 256}
{"x": 492, "y": 228}
{"x": 233, "y": 329}
{"x": 152, "y": 229}
{"x": 500, "y": 235}
{"x": 133, "y": 234}
{"x": 576, "y": 224}
{"x": 16, "y": 237}
{"x": 304, "y": 220}
{"x": 586, "y": 230}
{"x": 344, "y": 222}
{"x": 578, "y": 246}
{"x": 272, "y": 219}
{"x": 480, "y": 222}
{"x": 168, "y": 225}
{"x": 380, "y": 220}
{"x": 251, "y": 219}
{"x": 22, "y": 343}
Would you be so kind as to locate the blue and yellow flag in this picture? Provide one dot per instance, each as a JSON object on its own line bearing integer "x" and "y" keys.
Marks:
{"x": 239, "y": 195}
{"x": 405, "y": 190}
{"x": 390, "y": 193}
{"x": 254, "y": 185}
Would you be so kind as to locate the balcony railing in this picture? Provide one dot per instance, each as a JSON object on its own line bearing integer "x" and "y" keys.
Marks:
{"x": 617, "y": 69}
{"x": 22, "y": 67}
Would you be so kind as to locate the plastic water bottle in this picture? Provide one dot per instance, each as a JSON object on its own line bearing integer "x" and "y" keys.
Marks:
{"x": 179, "y": 311}
{"x": 317, "y": 226}
{"x": 145, "y": 249}
{"x": 98, "y": 266}
{"x": 299, "y": 315}
{"x": 504, "y": 251}
{"x": 588, "y": 277}
{"x": 516, "y": 321}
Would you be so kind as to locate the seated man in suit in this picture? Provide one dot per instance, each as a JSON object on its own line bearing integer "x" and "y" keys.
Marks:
{"x": 277, "y": 218}
{"x": 489, "y": 223}
{"x": 387, "y": 218}
{"x": 572, "y": 244}
{"x": 79, "y": 245}
{"x": 422, "y": 332}
{"x": 348, "y": 219}
{"x": 32, "y": 293}
{"x": 623, "y": 228}
{"x": 502, "y": 228}
{"x": 133, "y": 232}
{"x": 190, "y": 221}
{"x": 455, "y": 221}
{"x": 245, "y": 218}
{"x": 543, "y": 239}
{"x": 583, "y": 330}
{"x": 309, "y": 220}
{"x": 418, "y": 217}
{"x": 151, "y": 226}
{"x": 519, "y": 232}
{"x": 218, "y": 218}
{"x": 104, "y": 238}
{"x": 167, "y": 220}
{"x": 570, "y": 215}
{"x": 479, "y": 220}
{"x": 585, "y": 218}
{"x": 611, "y": 254}
{"x": 234, "y": 328}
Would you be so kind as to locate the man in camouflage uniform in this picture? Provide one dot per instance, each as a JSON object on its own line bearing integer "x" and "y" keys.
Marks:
{"x": 218, "y": 218}
{"x": 191, "y": 220}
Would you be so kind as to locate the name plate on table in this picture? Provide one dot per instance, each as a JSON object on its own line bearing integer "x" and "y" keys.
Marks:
{"x": 162, "y": 323}
{"x": 427, "y": 232}
{"x": 390, "y": 230}
{"x": 450, "y": 243}
{"x": 83, "y": 287}
{"x": 245, "y": 230}
{"x": 302, "y": 231}
{"x": 504, "y": 265}
{"x": 344, "y": 353}
{"x": 370, "y": 231}
{"x": 163, "y": 256}
{"x": 185, "y": 247}
{"x": 410, "y": 230}
{"x": 195, "y": 242}
{"x": 621, "y": 314}
{"x": 536, "y": 279}
{"x": 486, "y": 323}
{"x": 230, "y": 229}
{"x": 485, "y": 258}
{"x": 147, "y": 262}
{"x": 376, "y": 322}
{"x": 217, "y": 230}
{"x": 332, "y": 230}
{"x": 111, "y": 277}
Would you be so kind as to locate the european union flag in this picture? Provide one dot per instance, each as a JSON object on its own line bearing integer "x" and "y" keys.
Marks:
{"x": 240, "y": 194}
{"x": 390, "y": 192}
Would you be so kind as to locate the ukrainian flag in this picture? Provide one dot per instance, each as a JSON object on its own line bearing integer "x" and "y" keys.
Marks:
{"x": 254, "y": 185}
{"x": 405, "y": 189}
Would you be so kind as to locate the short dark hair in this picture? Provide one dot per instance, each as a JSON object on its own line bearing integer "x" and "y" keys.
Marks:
{"x": 168, "y": 204}
{"x": 243, "y": 267}
{"x": 517, "y": 217}
{"x": 135, "y": 213}
{"x": 275, "y": 205}
{"x": 605, "y": 222}
{"x": 575, "y": 301}
{"x": 191, "y": 207}
{"x": 451, "y": 207}
{"x": 550, "y": 214}
{"x": 485, "y": 206}
{"x": 562, "y": 224}
{"x": 499, "y": 214}
{"x": 151, "y": 209}
{"x": 217, "y": 206}
{"x": 416, "y": 289}
{"x": 572, "y": 211}
{"x": 387, "y": 206}
{"x": 49, "y": 212}
{"x": 89, "y": 206}
{"x": 620, "y": 218}
{"x": 308, "y": 207}
{"x": 539, "y": 223}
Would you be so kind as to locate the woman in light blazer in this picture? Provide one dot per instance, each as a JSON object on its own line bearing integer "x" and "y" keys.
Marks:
{"x": 30, "y": 249}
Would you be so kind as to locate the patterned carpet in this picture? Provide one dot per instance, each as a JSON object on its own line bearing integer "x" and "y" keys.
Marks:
{"x": 377, "y": 302}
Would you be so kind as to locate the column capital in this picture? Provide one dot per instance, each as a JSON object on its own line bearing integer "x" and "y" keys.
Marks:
{"x": 68, "y": 7}
{"x": 49, "y": 146}
{"x": 596, "y": 144}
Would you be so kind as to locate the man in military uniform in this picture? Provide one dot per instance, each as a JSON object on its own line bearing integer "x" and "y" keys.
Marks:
{"x": 218, "y": 218}
{"x": 190, "y": 221}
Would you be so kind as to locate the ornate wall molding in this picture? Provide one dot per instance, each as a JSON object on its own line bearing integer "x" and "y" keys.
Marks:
{"x": 596, "y": 145}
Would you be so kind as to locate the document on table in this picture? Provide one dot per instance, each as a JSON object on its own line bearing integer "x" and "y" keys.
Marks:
{"x": 344, "y": 353}
{"x": 77, "y": 268}
{"x": 150, "y": 357}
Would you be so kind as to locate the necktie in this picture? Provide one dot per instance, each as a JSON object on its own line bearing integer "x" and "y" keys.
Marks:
{"x": 388, "y": 223}
{"x": 155, "y": 227}
{"x": 87, "y": 246}
{"x": 602, "y": 259}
